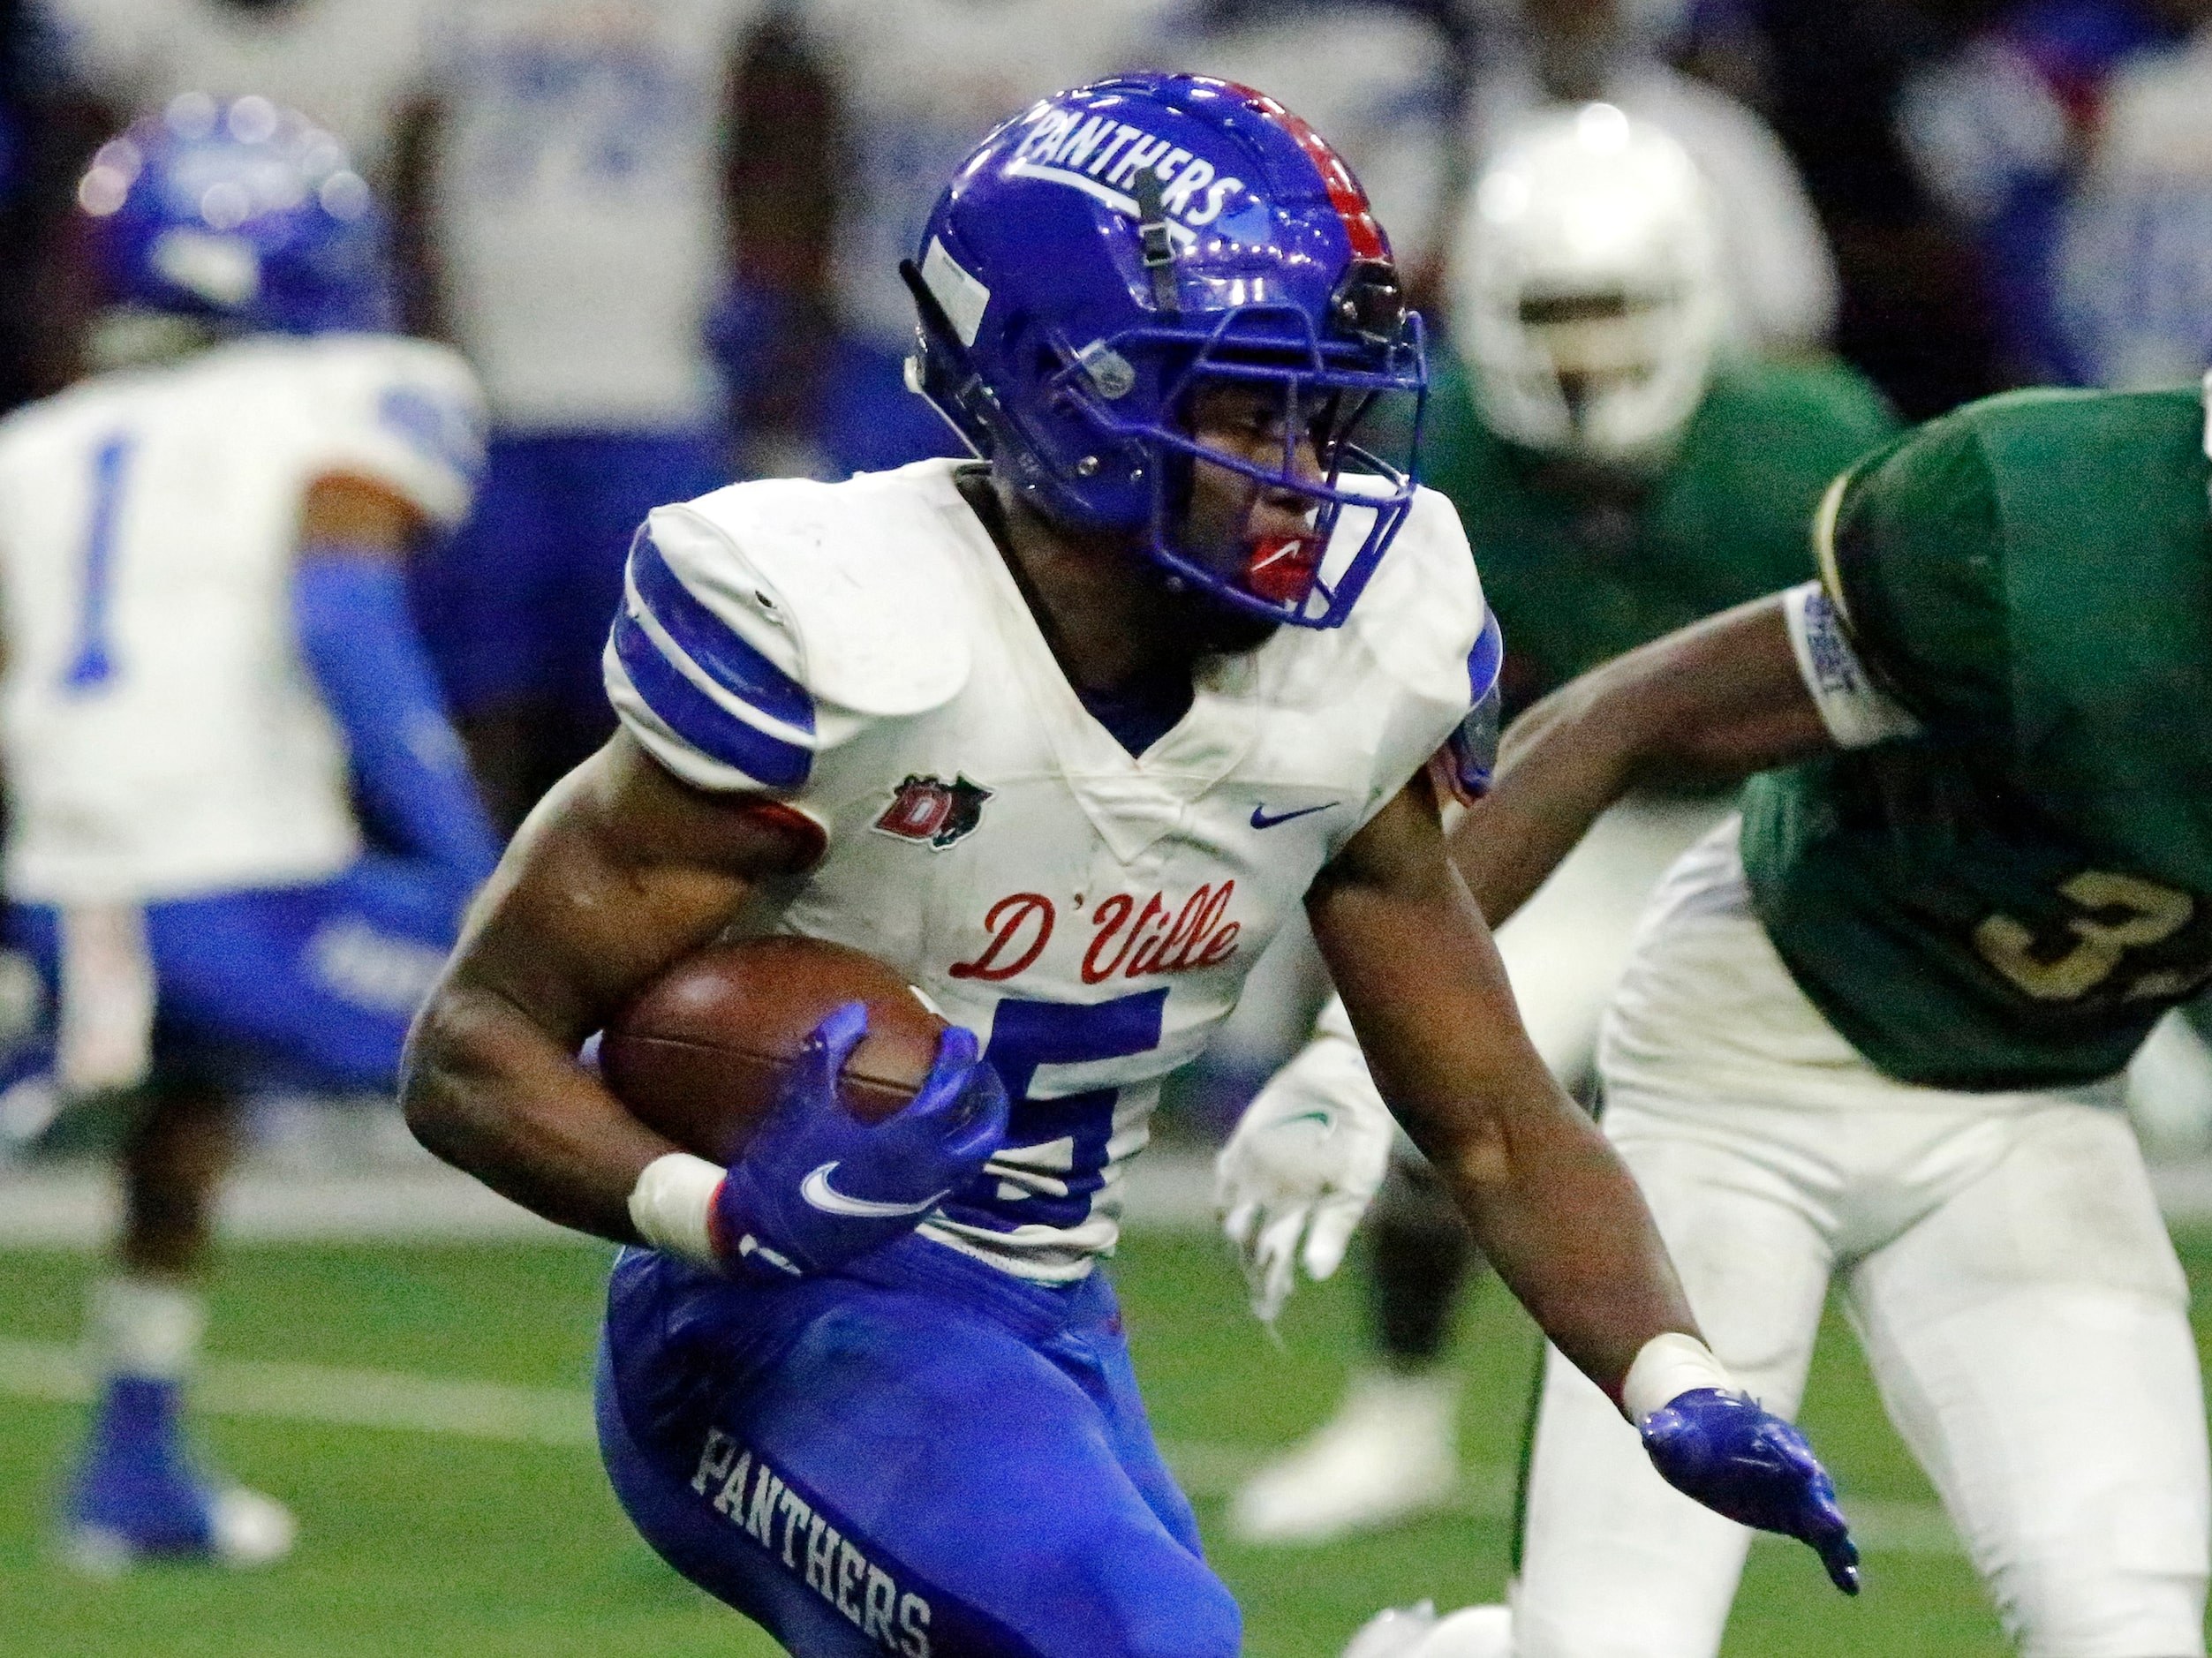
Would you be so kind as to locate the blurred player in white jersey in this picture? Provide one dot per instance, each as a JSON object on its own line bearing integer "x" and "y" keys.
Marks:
{"x": 578, "y": 237}
{"x": 913, "y": 85}
{"x": 349, "y": 66}
{"x": 209, "y": 656}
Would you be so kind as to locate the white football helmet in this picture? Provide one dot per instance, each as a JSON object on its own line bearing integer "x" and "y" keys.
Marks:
{"x": 1586, "y": 288}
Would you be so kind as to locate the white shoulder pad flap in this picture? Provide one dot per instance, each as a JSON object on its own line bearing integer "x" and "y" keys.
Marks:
{"x": 1423, "y": 609}
{"x": 407, "y": 413}
{"x": 1411, "y": 635}
{"x": 844, "y": 587}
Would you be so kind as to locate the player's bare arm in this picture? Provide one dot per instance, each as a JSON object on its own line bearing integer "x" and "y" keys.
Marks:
{"x": 1548, "y": 1199}
{"x": 342, "y": 509}
{"x": 1709, "y": 704}
{"x": 621, "y": 870}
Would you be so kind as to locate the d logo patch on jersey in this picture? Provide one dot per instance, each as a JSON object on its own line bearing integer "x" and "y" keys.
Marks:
{"x": 935, "y": 812}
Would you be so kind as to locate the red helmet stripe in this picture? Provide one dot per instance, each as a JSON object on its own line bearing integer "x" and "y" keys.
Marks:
{"x": 1345, "y": 194}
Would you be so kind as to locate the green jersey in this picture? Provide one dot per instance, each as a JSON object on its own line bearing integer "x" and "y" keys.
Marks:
{"x": 2010, "y": 897}
{"x": 1580, "y": 569}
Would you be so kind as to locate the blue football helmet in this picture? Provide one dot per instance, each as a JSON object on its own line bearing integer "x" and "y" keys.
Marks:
{"x": 1114, "y": 249}
{"x": 243, "y": 215}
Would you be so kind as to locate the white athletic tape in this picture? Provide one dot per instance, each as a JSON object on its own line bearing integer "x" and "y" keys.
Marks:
{"x": 672, "y": 1202}
{"x": 1668, "y": 1367}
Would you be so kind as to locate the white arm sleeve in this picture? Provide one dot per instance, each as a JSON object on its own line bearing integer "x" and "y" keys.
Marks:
{"x": 1857, "y": 711}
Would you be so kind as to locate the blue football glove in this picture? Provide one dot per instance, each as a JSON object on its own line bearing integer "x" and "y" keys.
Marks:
{"x": 818, "y": 1187}
{"x": 1739, "y": 1460}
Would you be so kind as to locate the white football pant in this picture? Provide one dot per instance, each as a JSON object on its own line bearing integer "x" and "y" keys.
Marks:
{"x": 2004, "y": 1264}
{"x": 1564, "y": 949}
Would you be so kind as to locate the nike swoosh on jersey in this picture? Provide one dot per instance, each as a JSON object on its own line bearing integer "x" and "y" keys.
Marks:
{"x": 816, "y": 1190}
{"x": 1261, "y": 819}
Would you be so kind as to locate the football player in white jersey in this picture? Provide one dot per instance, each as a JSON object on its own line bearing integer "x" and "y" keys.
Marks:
{"x": 349, "y": 66}
{"x": 209, "y": 652}
{"x": 1063, "y": 737}
{"x": 574, "y": 169}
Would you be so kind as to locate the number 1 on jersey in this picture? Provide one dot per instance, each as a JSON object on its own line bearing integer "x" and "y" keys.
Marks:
{"x": 91, "y": 665}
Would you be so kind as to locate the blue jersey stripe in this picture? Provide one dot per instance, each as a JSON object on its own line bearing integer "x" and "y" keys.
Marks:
{"x": 1486, "y": 661}
{"x": 699, "y": 719}
{"x": 708, "y": 641}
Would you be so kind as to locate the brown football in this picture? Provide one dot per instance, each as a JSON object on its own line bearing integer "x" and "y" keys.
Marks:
{"x": 701, "y": 1051}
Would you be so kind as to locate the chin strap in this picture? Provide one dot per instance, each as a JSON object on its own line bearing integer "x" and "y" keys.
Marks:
{"x": 939, "y": 370}
{"x": 1156, "y": 234}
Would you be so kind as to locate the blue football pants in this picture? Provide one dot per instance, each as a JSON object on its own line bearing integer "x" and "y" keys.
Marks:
{"x": 309, "y": 986}
{"x": 518, "y": 605}
{"x": 917, "y": 1455}
{"x": 869, "y": 422}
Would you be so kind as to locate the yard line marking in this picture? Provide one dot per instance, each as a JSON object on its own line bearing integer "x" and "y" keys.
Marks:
{"x": 332, "y": 1397}
{"x": 399, "y": 1401}
{"x": 1169, "y": 1189}
{"x": 78, "y": 1207}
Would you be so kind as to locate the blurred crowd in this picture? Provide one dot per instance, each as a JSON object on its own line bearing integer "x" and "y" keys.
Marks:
{"x": 666, "y": 232}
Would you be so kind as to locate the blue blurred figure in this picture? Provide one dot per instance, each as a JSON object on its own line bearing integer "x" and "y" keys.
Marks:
{"x": 2008, "y": 134}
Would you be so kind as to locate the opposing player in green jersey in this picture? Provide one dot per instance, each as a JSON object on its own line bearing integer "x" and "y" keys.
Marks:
{"x": 1621, "y": 472}
{"x": 1872, "y": 1031}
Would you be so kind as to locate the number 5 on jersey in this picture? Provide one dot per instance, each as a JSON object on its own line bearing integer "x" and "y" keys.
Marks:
{"x": 1058, "y": 1146}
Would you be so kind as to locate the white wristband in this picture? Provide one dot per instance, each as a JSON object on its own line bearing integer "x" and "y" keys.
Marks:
{"x": 671, "y": 1204}
{"x": 1668, "y": 1367}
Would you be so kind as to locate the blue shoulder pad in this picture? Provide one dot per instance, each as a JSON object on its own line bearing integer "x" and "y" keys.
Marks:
{"x": 1473, "y": 745}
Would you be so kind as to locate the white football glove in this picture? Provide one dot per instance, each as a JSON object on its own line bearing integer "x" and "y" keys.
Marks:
{"x": 1304, "y": 1162}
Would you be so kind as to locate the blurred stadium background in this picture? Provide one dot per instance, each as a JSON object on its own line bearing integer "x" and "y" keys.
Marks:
{"x": 664, "y": 231}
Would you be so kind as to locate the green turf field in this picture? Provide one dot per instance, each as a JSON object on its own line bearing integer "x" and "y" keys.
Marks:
{"x": 474, "y": 1523}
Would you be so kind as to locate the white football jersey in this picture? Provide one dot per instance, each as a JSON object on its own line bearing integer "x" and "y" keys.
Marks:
{"x": 860, "y": 651}
{"x": 349, "y": 65}
{"x": 161, "y": 735}
{"x": 580, "y": 203}
{"x": 922, "y": 83}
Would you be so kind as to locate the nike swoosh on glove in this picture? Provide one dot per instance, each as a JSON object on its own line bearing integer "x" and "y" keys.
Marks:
{"x": 1304, "y": 1164}
{"x": 1746, "y": 1463}
{"x": 817, "y": 1186}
